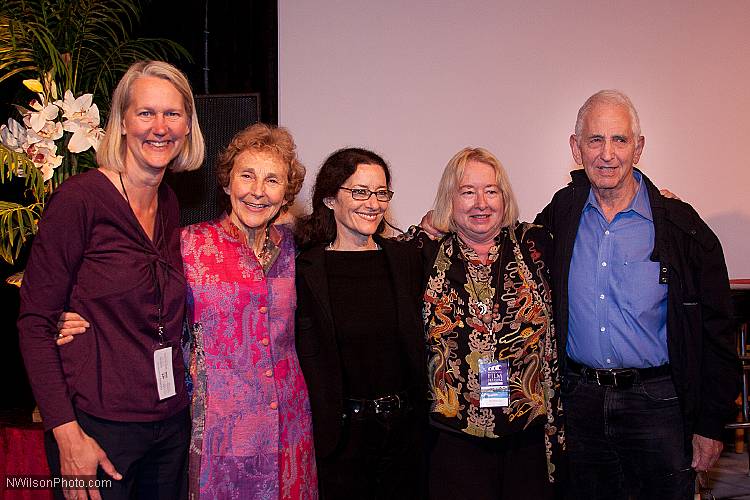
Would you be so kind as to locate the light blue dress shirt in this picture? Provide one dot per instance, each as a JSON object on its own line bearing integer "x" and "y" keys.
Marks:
{"x": 617, "y": 306}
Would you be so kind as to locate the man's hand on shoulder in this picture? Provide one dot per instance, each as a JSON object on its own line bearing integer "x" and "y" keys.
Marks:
{"x": 426, "y": 225}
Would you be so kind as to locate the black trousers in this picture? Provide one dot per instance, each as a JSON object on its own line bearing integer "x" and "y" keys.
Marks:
{"x": 465, "y": 467}
{"x": 151, "y": 456}
{"x": 378, "y": 457}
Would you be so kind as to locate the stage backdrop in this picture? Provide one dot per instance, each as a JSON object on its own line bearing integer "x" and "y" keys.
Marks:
{"x": 418, "y": 80}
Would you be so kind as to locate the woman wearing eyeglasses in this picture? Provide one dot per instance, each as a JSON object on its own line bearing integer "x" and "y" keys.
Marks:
{"x": 359, "y": 335}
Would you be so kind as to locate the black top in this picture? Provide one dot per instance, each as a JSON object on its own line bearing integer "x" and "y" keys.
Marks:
{"x": 317, "y": 339}
{"x": 374, "y": 363}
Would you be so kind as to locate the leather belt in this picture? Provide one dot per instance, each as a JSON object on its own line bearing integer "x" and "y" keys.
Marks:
{"x": 619, "y": 378}
{"x": 386, "y": 404}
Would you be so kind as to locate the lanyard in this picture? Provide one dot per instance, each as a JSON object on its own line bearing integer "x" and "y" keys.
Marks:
{"x": 153, "y": 267}
{"x": 488, "y": 306}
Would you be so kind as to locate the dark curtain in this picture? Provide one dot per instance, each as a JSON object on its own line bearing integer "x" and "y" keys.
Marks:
{"x": 242, "y": 48}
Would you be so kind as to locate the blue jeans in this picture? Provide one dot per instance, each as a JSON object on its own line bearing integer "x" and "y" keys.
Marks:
{"x": 626, "y": 443}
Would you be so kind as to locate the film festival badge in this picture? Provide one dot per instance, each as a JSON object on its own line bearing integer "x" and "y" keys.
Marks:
{"x": 493, "y": 380}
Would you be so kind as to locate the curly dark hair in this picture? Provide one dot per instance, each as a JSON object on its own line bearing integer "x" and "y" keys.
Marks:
{"x": 320, "y": 226}
{"x": 263, "y": 138}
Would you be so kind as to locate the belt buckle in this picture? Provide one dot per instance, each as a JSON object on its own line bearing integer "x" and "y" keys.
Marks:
{"x": 606, "y": 383}
{"x": 386, "y": 404}
{"x": 379, "y": 405}
{"x": 615, "y": 383}
{"x": 625, "y": 381}
{"x": 598, "y": 381}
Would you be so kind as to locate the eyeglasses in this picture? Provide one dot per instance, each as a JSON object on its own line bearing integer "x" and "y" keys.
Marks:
{"x": 363, "y": 194}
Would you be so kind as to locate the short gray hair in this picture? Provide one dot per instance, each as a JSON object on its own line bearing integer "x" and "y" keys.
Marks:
{"x": 609, "y": 97}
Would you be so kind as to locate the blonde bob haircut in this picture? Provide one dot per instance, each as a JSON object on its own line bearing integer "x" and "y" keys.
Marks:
{"x": 442, "y": 217}
{"x": 112, "y": 150}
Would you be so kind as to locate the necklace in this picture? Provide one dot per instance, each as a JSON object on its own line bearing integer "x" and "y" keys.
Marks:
{"x": 486, "y": 305}
{"x": 331, "y": 247}
{"x": 485, "y": 308}
{"x": 266, "y": 248}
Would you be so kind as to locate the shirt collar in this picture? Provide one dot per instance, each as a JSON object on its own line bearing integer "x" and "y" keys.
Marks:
{"x": 639, "y": 204}
{"x": 471, "y": 255}
{"x": 272, "y": 247}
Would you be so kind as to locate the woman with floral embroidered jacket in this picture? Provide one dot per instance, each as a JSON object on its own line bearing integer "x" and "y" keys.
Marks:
{"x": 492, "y": 362}
{"x": 252, "y": 431}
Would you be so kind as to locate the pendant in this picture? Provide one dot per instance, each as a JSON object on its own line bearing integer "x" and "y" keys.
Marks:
{"x": 484, "y": 313}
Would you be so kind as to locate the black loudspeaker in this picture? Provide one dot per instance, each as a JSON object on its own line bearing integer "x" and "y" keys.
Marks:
{"x": 220, "y": 117}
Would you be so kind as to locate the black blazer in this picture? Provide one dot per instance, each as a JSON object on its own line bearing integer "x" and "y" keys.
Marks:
{"x": 317, "y": 347}
{"x": 705, "y": 368}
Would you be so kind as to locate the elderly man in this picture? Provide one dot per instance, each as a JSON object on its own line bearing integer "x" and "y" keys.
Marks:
{"x": 643, "y": 315}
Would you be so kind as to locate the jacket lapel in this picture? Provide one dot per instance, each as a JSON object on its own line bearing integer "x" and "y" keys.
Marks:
{"x": 312, "y": 267}
{"x": 409, "y": 326}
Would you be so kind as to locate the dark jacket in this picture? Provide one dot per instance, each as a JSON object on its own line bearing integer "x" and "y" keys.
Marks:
{"x": 700, "y": 340}
{"x": 316, "y": 337}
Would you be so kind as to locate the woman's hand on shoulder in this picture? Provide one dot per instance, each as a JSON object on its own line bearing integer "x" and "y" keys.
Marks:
{"x": 70, "y": 324}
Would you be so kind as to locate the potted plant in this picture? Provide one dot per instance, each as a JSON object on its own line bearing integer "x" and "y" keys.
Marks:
{"x": 64, "y": 57}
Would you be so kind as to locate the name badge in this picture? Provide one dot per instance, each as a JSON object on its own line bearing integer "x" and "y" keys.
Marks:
{"x": 493, "y": 381}
{"x": 164, "y": 373}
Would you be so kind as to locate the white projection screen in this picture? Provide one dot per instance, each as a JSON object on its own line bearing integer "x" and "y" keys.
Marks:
{"x": 417, "y": 80}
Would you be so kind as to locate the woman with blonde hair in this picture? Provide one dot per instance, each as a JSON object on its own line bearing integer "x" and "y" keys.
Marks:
{"x": 108, "y": 247}
{"x": 492, "y": 358}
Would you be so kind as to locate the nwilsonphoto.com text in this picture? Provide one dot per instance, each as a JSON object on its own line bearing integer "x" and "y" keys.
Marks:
{"x": 21, "y": 482}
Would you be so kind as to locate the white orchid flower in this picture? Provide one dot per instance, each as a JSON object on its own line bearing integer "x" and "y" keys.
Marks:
{"x": 42, "y": 126}
{"x": 82, "y": 119}
{"x": 13, "y": 136}
{"x": 83, "y": 137}
{"x": 42, "y": 114}
{"x": 80, "y": 109}
{"x": 48, "y": 169}
{"x": 44, "y": 156}
{"x": 51, "y": 130}
{"x": 35, "y": 142}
